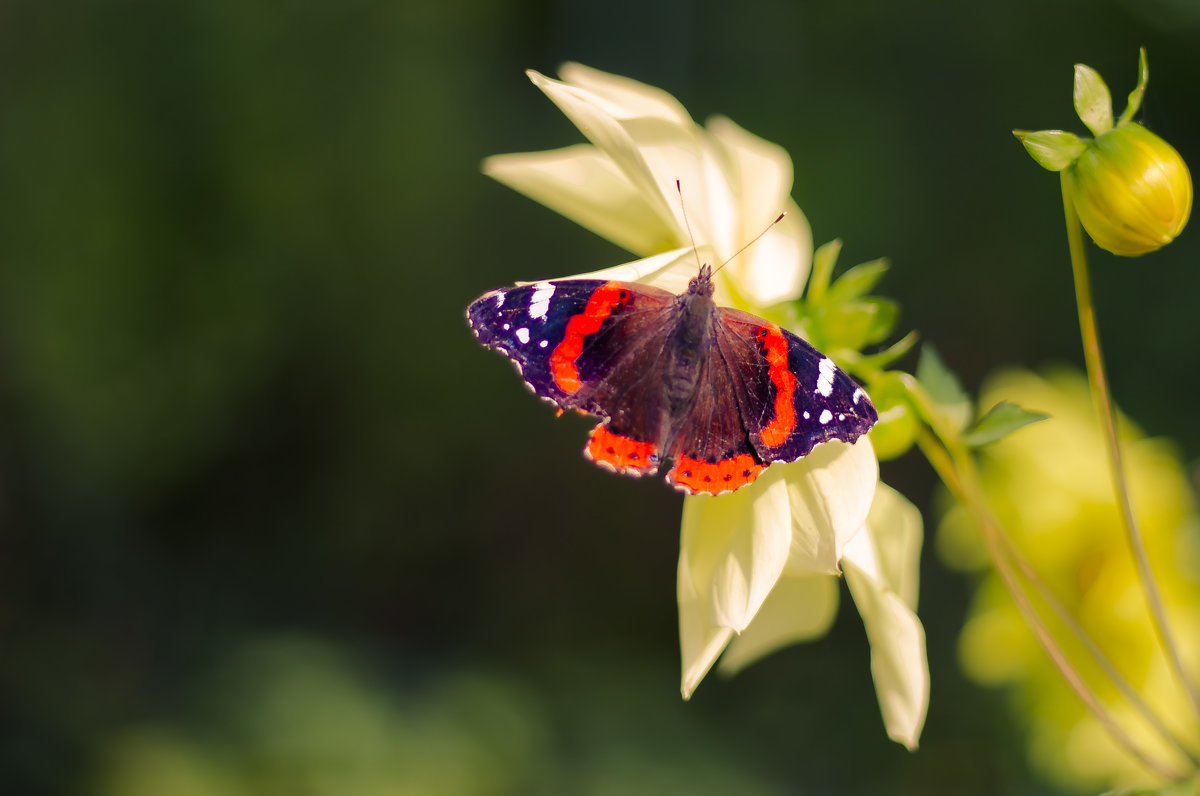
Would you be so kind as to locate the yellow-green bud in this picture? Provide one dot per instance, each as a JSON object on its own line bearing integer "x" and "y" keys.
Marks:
{"x": 1131, "y": 189}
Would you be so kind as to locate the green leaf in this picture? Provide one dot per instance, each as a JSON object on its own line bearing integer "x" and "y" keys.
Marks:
{"x": 1053, "y": 150}
{"x": 1001, "y": 420}
{"x": 856, "y": 324}
{"x": 857, "y": 281}
{"x": 1135, "y": 96}
{"x": 824, "y": 259}
{"x": 1093, "y": 103}
{"x": 881, "y": 359}
{"x": 943, "y": 387}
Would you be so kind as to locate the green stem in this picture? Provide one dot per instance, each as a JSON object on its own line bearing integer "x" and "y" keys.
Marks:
{"x": 1103, "y": 399}
{"x": 957, "y": 471}
{"x": 960, "y": 476}
{"x": 1031, "y": 576}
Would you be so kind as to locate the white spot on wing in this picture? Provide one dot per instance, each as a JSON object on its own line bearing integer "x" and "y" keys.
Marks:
{"x": 506, "y": 327}
{"x": 523, "y": 335}
{"x": 858, "y": 396}
{"x": 825, "y": 417}
{"x": 806, "y": 414}
{"x": 499, "y": 299}
{"x": 543, "y": 344}
{"x": 539, "y": 302}
{"x": 825, "y": 377}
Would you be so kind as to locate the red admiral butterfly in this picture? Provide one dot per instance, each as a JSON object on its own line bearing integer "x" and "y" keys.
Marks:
{"x": 721, "y": 392}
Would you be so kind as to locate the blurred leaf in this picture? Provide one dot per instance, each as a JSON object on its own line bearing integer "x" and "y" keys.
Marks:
{"x": 1001, "y": 420}
{"x": 943, "y": 387}
{"x": 856, "y": 282}
{"x": 856, "y": 324}
{"x": 824, "y": 259}
{"x": 887, "y": 356}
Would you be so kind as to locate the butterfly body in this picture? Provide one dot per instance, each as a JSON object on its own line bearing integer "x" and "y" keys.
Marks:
{"x": 720, "y": 392}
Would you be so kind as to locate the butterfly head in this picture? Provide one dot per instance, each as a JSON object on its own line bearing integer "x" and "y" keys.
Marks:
{"x": 702, "y": 283}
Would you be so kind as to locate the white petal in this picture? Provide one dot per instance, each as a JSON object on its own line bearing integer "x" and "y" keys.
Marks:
{"x": 775, "y": 268}
{"x": 699, "y": 641}
{"x": 602, "y": 121}
{"x": 670, "y": 271}
{"x": 797, "y": 609}
{"x": 632, "y": 97}
{"x": 582, "y": 184}
{"x": 898, "y": 658}
{"x": 759, "y": 174}
{"x": 890, "y": 550}
{"x": 738, "y": 545}
{"x": 732, "y": 552}
{"x": 831, "y": 491}
{"x": 674, "y": 153}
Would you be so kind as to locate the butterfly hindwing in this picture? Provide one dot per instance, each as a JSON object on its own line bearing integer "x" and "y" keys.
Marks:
{"x": 712, "y": 449}
{"x": 792, "y": 397}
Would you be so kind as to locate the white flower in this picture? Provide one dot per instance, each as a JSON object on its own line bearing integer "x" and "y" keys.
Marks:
{"x": 758, "y": 568}
{"x": 622, "y": 185}
{"x": 757, "y": 572}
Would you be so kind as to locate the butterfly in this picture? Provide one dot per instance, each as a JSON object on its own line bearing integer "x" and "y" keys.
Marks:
{"x": 718, "y": 392}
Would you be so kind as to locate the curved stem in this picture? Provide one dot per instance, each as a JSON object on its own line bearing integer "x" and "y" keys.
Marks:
{"x": 1104, "y": 407}
{"x": 958, "y": 473}
{"x": 1031, "y": 576}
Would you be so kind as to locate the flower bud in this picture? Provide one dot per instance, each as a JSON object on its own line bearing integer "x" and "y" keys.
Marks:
{"x": 1131, "y": 189}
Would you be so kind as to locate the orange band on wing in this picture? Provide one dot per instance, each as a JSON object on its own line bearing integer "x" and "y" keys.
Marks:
{"x": 562, "y": 362}
{"x": 713, "y": 478}
{"x": 622, "y": 454}
{"x": 778, "y": 430}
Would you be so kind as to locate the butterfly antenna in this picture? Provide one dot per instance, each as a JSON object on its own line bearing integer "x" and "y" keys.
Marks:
{"x": 732, "y": 257}
{"x": 687, "y": 225}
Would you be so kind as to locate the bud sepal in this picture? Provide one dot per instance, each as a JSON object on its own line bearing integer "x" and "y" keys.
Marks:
{"x": 1131, "y": 189}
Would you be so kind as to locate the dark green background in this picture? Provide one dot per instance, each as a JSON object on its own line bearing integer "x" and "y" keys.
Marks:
{"x": 256, "y": 478}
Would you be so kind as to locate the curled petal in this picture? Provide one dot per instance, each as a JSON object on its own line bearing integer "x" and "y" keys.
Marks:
{"x": 628, "y": 97}
{"x": 737, "y": 545}
{"x": 798, "y": 609}
{"x": 896, "y": 531}
{"x": 700, "y": 643}
{"x": 830, "y": 491}
{"x": 670, "y": 271}
{"x": 898, "y": 658}
{"x": 584, "y": 185}
{"x": 653, "y": 140}
{"x": 732, "y": 552}
{"x": 759, "y": 179}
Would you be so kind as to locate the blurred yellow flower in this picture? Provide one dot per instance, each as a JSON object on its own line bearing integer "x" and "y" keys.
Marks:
{"x": 1050, "y": 487}
{"x": 758, "y": 567}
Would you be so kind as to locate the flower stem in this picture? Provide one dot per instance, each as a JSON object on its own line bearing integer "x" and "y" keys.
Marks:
{"x": 1104, "y": 407}
{"x": 1026, "y": 568}
{"x": 957, "y": 471}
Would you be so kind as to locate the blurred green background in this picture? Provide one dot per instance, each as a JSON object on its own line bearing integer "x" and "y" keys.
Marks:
{"x": 272, "y": 523}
